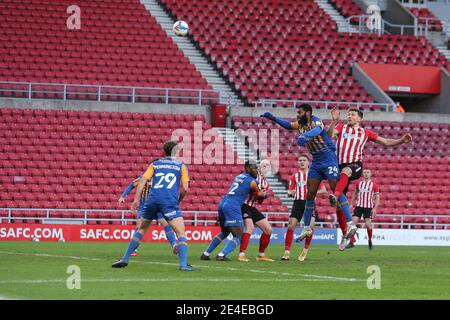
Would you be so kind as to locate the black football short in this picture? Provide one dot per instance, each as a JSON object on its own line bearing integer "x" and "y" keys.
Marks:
{"x": 249, "y": 212}
{"x": 298, "y": 209}
{"x": 366, "y": 213}
{"x": 357, "y": 169}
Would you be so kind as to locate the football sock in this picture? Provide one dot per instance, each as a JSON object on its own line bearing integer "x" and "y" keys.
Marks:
{"x": 309, "y": 208}
{"x": 288, "y": 240}
{"x": 215, "y": 242}
{"x": 352, "y": 240}
{"x": 244, "y": 242}
{"x": 170, "y": 235}
{"x": 369, "y": 233}
{"x": 264, "y": 242}
{"x": 233, "y": 243}
{"x": 341, "y": 220}
{"x": 342, "y": 183}
{"x": 182, "y": 251}
{"x": 134, "y": 243}
{"x": 345, "y": 207}
{"x": 309, "y": 239}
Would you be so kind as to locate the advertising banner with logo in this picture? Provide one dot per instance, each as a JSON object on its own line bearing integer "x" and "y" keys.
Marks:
{"x": 321, "y": 236}
{"x": 403, "y": 237}
{"x": 94, "y": 233}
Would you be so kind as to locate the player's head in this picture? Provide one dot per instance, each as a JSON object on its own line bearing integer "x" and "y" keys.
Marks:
{"x": 303, "y": 161}
{"x": 170, "y": 148}
{"x": 264, "y": 167}
{"x": 304, "y": 113}
{"x": 367, "y": 174}
{"x": 251, "y": 168}
{"x": 354, "y": 116}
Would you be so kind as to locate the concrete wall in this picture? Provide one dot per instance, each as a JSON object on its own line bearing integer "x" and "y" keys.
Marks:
{"x": 397, "y": 14}
{"x": 441, "y": 9}
{"x": 439, "y": 104}
{"x": 106, "y": 106}
{"x": 205, "y": 110}
{"x": 371, "y": 87}
{"x": 325, "y": 114}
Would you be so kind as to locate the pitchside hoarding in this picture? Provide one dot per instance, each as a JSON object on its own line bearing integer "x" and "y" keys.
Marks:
{"x": 403, "y": 237}
{"x": 116, "y": 233}
{"x": 103, "y": 233}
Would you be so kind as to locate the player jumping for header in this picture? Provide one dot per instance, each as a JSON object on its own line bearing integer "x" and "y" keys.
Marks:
{"x": 351, "y": 140}
{"x": 324, "y": 164}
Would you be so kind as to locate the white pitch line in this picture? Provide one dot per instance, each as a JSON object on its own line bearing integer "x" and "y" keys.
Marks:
{"x": 137, "y": 280}
{"x": 293, "y": 275}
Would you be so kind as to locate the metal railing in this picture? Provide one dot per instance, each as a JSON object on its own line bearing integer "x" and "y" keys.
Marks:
{"x": 64, "y": 91}
{"x": 201, "y": 218}
{"x": 272, "y": 103}
{"x": 421, "y": 28}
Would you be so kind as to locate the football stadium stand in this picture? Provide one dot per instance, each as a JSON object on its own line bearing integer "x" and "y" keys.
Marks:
{"x": 293, "y": 51}
{"x": 119, "y": 45}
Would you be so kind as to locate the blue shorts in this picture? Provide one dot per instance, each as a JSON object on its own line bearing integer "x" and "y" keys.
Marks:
{"x": 159, "y": 215}
{"x": 325, "y": 167}
{"x": 153, "y": 210}
{"x": 230, "y": 214}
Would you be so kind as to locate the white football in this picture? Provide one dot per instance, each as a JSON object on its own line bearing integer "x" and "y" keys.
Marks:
{"x": 35, "y": 239}
{"x": 180, "y": 28}
{"x": 62, "y": 239}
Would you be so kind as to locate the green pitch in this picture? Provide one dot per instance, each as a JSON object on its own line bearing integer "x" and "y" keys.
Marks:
{"x": 31, "y": 270}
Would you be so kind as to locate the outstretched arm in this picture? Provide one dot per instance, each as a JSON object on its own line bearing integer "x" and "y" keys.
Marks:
{"x": 284, "y": 123}
{"x": 394, "y": 142}
{"x": 137, "y": 196}
{"x": 332, "y": 132}
{"x": 127, "y": 190}
{"x": 305, "y": 137}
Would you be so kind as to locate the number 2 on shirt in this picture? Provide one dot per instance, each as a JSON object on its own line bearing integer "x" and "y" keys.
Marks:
{"x": 233, "y": 188}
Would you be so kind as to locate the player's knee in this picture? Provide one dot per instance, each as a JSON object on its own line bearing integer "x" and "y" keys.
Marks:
{"x": 163, "y": 222}
{"x": 347, "y": 171}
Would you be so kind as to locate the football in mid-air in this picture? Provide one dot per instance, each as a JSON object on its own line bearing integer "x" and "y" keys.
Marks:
{"x": 180, "y": 28}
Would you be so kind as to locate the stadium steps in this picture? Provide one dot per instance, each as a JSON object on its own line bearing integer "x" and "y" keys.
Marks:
{"x": 193, "y": 54}
{"x": 244, "y": 152}
{"x": 444, "y": 51}
{"x": 341, "y": 22}
{"x": 237, "y": 144}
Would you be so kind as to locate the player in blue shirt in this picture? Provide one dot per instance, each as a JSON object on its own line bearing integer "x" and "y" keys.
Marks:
{"x": 166, "y": 176}
{"x": 230, "y": 214}
{"x": 170, "y": 234}
{"x": 324, "y": 163}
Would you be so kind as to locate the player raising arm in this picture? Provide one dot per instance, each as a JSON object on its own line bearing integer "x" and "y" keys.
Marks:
{"x": 351, "y": 140}
{"x": 324, "y": 164}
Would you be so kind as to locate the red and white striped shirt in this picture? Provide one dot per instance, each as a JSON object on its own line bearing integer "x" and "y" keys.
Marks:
{"x": 366, "y": 192}
{"x": 297, "y": 182}
{"x": 351, "y": 141}
{"x": 263, "y": 184}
